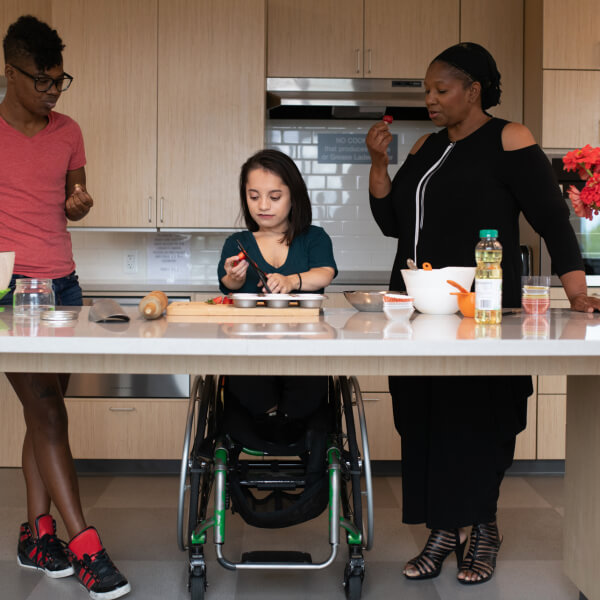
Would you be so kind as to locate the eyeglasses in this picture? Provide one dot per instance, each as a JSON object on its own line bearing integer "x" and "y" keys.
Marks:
{"x": 43, "y": 83}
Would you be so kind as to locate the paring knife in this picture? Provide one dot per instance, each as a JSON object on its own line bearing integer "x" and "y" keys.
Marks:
{"x": 261, "y": 274}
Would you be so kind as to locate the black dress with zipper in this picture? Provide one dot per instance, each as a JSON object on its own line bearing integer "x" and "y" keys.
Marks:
{"x": 458, "y": 433}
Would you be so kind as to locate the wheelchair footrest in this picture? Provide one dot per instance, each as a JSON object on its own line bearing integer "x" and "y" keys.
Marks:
{"x": 276, "y": 556}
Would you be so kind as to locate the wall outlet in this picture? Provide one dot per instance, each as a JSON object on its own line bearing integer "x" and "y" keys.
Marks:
{"x": 130, "y": 261}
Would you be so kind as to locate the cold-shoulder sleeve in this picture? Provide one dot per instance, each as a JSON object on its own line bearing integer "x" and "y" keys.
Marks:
{"x": 533, "y": 183}
{"x": 383, "y": 208}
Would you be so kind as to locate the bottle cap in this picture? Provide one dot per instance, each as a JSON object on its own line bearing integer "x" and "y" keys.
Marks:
{"x": 486, "y": 233}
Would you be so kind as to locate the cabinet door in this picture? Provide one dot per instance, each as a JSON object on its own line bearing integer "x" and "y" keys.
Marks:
{"x": 403, "y": 36}
{"x": 315, "y": 38}
{"x": 571, "y": 111}
{"x": 498, "y": 26}
{"x": 126, "y": 429}
{"x": 12, "y": 425}
{"x": 11, "y": 10}
{"x": 111, "y": 51}
{"x": 571, "y": 34}
{"x": 211, "y": 100}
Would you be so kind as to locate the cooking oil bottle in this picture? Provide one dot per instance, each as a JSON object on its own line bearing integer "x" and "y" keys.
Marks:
{"x": 488, "y": 278}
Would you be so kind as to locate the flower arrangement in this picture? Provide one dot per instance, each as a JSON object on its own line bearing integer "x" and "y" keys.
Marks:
{"x": 586, "y": 161}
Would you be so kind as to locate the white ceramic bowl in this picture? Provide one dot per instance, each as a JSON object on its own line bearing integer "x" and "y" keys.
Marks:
{"x": 7, "y": 262}
{"x": 431, "y": 291}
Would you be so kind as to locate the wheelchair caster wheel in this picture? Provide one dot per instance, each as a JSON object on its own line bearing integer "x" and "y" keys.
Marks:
{"x": 197, "y": 586}
{"x": 353, "y": 587}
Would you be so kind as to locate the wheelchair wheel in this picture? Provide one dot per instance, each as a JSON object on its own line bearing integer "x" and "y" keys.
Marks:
{"x": 359, "y": 503}
{"x": 197, "y": 586}
{"x": 353, "y": 587}
{"x": 195, "y": 480}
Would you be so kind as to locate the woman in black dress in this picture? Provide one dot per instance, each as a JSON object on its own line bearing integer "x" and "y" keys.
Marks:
{"x": 478, "y": 172}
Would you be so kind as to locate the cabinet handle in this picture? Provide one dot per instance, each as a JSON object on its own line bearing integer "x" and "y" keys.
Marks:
{"x": 371, "y": 399}
{"x": 149, "y": 209}
{"x": 122, "y": 409}
{"x": 162, "y": 209}
{"x": 369, "y": 53}
{"x": 358, "y": 60}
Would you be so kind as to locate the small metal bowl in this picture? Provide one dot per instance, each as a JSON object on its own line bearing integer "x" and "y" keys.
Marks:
{"x": 367, "y": 301}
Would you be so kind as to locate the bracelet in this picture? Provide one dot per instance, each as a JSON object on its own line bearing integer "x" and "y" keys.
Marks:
{"x": 299, "y": 282}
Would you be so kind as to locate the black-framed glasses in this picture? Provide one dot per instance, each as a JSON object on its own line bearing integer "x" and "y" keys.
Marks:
{"x": 44, "y": 82}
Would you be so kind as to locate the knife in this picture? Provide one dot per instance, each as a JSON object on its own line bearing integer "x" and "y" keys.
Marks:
{"x": 261, "y": 274}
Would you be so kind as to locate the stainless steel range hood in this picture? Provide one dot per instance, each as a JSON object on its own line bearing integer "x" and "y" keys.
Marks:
{"x": 375, "y": 93}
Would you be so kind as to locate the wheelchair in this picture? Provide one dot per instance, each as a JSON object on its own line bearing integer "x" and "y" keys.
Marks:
{"x": 275, "y": 481}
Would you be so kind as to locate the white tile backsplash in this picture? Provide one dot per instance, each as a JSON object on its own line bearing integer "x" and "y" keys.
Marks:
{"x": 339, "y": 195}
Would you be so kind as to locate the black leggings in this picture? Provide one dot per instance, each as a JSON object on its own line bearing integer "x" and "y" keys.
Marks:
{"x": 294, "y": 396}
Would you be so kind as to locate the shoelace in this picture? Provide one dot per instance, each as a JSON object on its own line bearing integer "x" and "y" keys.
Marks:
{"x": 49, "y": 546}
{"x": 100, "y": 564}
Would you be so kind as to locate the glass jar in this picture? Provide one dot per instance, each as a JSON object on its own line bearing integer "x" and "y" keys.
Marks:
{"x": 32, "y": 297}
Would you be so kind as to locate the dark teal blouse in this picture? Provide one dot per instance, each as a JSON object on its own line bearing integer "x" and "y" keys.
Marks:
{"x": 308, "y": 251}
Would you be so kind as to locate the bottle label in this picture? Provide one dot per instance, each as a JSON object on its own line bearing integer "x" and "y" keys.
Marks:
{"x": 488, "y": 294}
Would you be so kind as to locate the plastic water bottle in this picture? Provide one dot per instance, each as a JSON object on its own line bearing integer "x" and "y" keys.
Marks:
{"x": 488, "y": 278}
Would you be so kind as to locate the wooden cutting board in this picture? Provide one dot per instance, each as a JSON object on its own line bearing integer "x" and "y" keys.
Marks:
{"x": 189, "y": 309}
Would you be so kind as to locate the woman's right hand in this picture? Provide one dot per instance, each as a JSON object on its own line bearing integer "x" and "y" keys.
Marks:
{"x": 236, "y": 269}
{"x": 378, "y": 139}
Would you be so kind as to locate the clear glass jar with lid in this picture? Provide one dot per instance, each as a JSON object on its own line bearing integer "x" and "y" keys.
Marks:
{"x": 32, "y": 296}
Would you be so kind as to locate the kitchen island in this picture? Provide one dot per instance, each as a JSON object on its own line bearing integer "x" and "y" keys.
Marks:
{"x": 344, "y": 342}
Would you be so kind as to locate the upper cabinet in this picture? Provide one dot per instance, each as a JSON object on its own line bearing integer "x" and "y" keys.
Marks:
{"x": 562, "y": 74}
{"x": 498, "y": 26}
{"x": 315, "y": 38}
{"x": 170, "y": 97}
{"x": 113, "y": 98}
{"x": 358, "y": 38}
{"x": 571, "y": 34}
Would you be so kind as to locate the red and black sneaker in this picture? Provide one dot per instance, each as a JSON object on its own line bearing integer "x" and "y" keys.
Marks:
{"x": 94, "y": 569}
{"x": 46, "y": 552}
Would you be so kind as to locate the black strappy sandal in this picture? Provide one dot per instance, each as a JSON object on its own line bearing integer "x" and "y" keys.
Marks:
{"x": 439, "y": 545}
{"x": 483, "y": 550}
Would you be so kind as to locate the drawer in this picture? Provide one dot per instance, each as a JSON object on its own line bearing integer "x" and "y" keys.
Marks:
{"x": 104, "y": 428}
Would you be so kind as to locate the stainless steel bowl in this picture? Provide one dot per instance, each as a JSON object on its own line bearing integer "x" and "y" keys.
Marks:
{"x": 366, "y": 301}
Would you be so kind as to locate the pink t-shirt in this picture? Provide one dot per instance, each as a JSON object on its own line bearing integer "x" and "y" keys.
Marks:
{"x": 33, "y": 172}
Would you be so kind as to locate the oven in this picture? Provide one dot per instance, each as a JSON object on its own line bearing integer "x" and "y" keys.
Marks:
{"x": 121, "y": 385}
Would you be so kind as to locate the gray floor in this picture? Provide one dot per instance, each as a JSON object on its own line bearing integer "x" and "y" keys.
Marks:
{"x": 136, "y": 518}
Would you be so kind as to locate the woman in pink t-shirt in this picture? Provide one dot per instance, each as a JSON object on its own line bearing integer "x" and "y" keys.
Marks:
{"x": 42, "y": 184}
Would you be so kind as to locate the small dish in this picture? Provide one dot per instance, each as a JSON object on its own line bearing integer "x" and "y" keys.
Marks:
{"x": 398, "y": 307}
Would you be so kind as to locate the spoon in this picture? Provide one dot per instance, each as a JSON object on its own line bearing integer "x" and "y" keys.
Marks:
{"x": 411, "y": 264}
{"x": 457, "y": 286}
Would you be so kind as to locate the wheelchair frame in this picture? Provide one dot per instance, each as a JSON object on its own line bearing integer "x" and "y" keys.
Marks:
{"x": 204, "y": 465}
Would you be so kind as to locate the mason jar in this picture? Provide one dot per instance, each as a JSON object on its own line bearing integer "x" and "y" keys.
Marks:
{"x": 32, "y": 297}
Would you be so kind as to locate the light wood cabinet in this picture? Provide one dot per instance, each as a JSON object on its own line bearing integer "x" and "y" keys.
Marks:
{"x": 315, "y": 38}
{"x": 498, "y": 26}
{"x": 571, "y": 109}
{"x": 111, "y": 49}
{"x": 562, "y": 74}
{"x": 133, "y": 429}
{"x": 403, "y": 36}
{"x": 170, "y": 97}
{"x": 12, "y": 425}
{"x": 571, "y": 34}
{"x": 11, "y": 10}
{"x": 374, "y": 38}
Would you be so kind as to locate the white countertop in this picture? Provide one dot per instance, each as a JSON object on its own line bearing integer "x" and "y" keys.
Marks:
{"x": 345, "y": 340}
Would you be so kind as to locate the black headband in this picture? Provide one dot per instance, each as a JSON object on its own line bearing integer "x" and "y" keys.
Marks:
{"x": 478, "y": 64}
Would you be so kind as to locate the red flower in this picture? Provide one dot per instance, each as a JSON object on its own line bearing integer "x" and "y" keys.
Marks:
{"x": 586, "y": 161}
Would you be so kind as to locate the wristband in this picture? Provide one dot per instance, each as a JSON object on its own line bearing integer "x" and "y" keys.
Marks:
{"x": 299, "y": 281}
